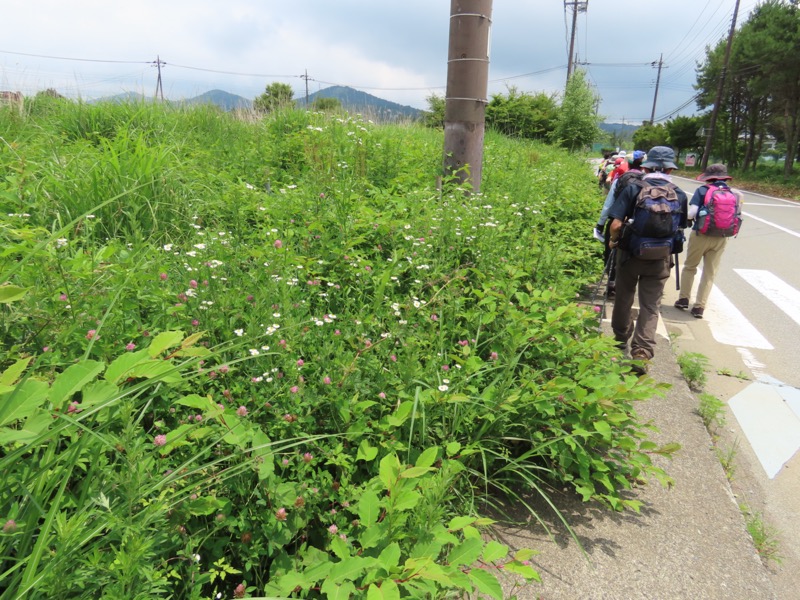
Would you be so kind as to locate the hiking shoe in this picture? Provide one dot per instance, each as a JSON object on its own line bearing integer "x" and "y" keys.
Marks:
{"x": 641, "y": 362}
{"x": 697, "y": 312}
{"x": 682, "y": 303}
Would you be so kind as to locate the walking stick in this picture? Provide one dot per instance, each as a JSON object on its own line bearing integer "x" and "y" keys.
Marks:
{"x": 677, "y": 273}
{"x": 606, "y": 270}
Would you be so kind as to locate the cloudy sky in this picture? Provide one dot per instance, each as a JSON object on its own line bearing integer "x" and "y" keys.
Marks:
{"x": 393, "y": 50}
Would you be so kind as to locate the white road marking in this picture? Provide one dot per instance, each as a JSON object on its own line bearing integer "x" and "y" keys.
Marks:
{"x": 775, "y": 290}
{"x": 771, "y": 224}
{"x": 729, "y": 326}
{"x": 757, "y": 368}
{"x": 769, "y": 423}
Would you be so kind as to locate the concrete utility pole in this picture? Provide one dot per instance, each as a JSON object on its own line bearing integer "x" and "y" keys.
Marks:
{"x": 658, "y": 81}
{"x": 720, "y": 87}
{"x": 467, "y": 86}
{"x": 576, "y": 8}
{"x": 306, "y": 78}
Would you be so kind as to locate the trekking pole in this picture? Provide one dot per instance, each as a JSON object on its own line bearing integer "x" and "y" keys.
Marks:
{"x": 677, "y": 273}
{"x": 606, "y": 270}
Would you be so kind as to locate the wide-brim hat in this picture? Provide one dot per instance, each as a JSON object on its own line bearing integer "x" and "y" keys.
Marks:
{"x": 660, "y": 157}
{"x": 714, "y": 172}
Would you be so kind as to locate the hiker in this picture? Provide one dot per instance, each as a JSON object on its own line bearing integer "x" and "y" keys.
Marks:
{"x": 602, "y": 169}
{"x": 648, "y": 221}
{"x": 716, "y": 212}
{"x": 621, "y": 165}
{"x": 604, "y": 223}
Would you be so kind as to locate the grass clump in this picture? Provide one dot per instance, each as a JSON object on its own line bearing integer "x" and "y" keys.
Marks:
{"x": 693, "y": 367}
{"x": 764, "y": 537}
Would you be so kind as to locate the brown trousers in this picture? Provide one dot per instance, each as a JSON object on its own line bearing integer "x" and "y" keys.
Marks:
{"x": 649, "y": 278}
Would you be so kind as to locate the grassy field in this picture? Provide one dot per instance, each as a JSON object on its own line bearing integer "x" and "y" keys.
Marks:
{"x": 248, "y": 357}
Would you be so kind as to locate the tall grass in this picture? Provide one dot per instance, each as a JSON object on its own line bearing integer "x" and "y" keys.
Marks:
{"x": 245, "y": 357}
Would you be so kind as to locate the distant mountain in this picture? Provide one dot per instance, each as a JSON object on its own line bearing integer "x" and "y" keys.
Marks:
{"x": 355, "y": 101}
{"x": 225, "y": 100}
{"x": 624, "y": 130}
{"x": 352, "y": 100}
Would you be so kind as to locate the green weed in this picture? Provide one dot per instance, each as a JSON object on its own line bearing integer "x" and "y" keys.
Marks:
{"x": 712, "y": 411}
{"x": 727, "y": 458}
{"x": 693, "y": 367}
{"x": 764, "y": 537}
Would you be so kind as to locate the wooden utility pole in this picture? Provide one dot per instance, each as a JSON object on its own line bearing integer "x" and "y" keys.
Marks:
{"x": 467, "y": 87}
{"x": 720, "y": 87}
{"x": 576, "y": 8}
{"x": 658, "y": 81}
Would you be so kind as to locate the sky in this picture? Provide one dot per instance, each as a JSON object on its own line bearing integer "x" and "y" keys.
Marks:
{"x": 394, "y": 50}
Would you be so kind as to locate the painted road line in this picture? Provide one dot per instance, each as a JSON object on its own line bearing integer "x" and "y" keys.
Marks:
{"x": 777, "y": 291}
{"x": 770, "y": 425}
{"x": 771, "y": 224}
{"x": 729, "y": 326}
{"x": 757, "y": 368}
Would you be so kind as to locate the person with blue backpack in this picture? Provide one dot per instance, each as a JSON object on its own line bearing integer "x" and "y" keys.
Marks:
{"x": 648, "y": 218}
{"x": 716, "y": 212}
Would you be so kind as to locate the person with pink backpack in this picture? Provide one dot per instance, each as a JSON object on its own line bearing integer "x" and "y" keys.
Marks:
{"x": 716, "y": 212}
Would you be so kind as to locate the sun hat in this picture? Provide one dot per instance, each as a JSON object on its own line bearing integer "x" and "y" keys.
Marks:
{"x": 639, "y": 155}
{"x": 714, "y": 172}
{"x": 622, "y": 154}
{"x": 660, "y": 157}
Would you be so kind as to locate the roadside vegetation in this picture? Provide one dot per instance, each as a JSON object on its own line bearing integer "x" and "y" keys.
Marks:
{"x": 268, "y": 357}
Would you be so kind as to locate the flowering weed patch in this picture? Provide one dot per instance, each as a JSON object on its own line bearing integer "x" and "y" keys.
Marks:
{"x": 273, "y": 359}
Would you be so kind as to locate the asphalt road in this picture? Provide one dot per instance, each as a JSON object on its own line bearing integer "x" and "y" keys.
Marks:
{"x": 750, "y": 335}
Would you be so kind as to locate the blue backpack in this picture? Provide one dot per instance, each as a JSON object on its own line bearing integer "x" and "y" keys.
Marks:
{"x": 654, "y": 231}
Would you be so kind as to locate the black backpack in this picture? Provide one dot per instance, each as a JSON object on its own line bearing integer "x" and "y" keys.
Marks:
{"x": 625, "y": 180}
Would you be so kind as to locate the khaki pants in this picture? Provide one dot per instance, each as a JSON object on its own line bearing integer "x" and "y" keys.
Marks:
{"x": 649, "y": 277}
{"x": 709, "y": 249}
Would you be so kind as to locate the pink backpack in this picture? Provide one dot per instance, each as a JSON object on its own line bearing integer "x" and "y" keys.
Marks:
{"x": 721, "y": 213}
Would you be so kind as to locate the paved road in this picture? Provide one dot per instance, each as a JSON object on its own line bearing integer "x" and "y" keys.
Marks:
{"x": 751, "y": 329}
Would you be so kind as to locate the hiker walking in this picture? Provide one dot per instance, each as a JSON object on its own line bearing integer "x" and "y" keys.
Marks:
{"x": 716, "y": 212}
{"x": 601, "y": 230}
{"x": 647, "y": 227}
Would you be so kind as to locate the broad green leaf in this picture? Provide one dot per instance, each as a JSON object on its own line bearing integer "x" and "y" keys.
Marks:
{"x": 414, "y": 472}
{"x": 389, "y": 470}
{"x": 121, "y": 365}
{"x": 339, "y": 548}
{"x": 162, "y": 370}
{"x": 524, "y": 554}
{"x": 163, "y": 341}
{"x": 204, "y": 505}
{"x": 373, "y": 535}
{"x": 98, "y": 392}
{"x": 494, "y": 551}
{"x": 196, "y": 401}
{"x": 466, "y": 553}
{"x": 11, "y": 374}
{"x": 23, "y": 401}
{"x": 11, "y": 293}
{"x": 319, "y": 571}
{"x": 427, "y": 458}
{"x": 525, "y": 571}
{"x": 406, "y": 500}
{"x": 388, "y": 590}
{"x": 369, "y": 508}
{"x": 453, "y": 448}
{"x": 348, "y": 569}
{"x": 389, "y": 557}
{"x": 334, "y": 591}
{"x": 33, "y": 427}
{"x": 289, "y": 581}
{"x": 366, "y": 452}
{"x": 603, "y": 428}
{"x": 73, "y": 380}
{"x": 457, "y": 523}
{"x": 192, "y": 339}
{"x": 486, "y": 583}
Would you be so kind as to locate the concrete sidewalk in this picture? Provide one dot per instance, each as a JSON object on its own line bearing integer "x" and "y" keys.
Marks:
{"x": 688, "y": 542}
